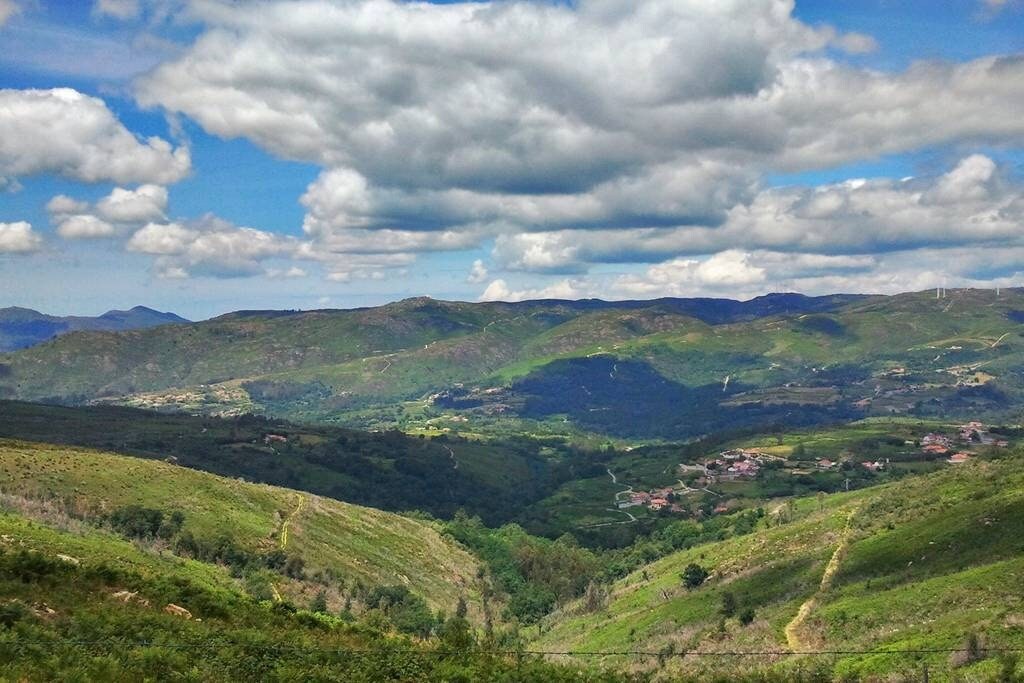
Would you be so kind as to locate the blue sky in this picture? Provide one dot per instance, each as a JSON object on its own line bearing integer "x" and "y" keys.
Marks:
{"x": 844, "y": 146}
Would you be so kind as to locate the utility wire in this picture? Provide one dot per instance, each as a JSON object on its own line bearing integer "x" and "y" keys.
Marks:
{"x": 507, "y": 653}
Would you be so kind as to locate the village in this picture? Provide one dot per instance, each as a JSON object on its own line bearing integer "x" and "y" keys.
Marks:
{"x": 738, "y": 464}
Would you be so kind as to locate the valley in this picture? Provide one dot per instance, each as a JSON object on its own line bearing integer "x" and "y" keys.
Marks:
{"x": 674, "y": 481}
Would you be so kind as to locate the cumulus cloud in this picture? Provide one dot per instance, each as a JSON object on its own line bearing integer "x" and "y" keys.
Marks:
{"x": 212, "y": 247}
{"x": 63, "y": 205}
{"x": 145, "y": 203}
{"x": 19, "y": 238}
{"x": 535, "y": 118}
{"x": 64, "y": 132}
{"x": 84, "y": 226}
{"x": 117, "y": 213}
{"x": 477, "y": 273}
{"x": 973, "y": 203}
{"x": 499, "y": 290}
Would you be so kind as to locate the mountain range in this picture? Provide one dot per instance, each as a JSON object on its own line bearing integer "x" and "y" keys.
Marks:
{"x": 668, "y": 368}
{"x": 21, "y": 328}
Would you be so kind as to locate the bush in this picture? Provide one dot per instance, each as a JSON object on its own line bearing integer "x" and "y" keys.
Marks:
{"x": 406, "y": 611}
{"x": 747, "y": 616}
{"x": 136, "y": 521}
{"x": 12, "y": 612}
{"x": 694, "y": 575}
{"x": 728, "y": 604}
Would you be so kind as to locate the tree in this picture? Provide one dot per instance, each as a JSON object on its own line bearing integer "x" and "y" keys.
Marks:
{"x": 728, "y": 604}
{"x": 319, "y": 603}
{"x": 747, "y": 616}
{"x": 460, "y": 608}
{"x": 295, "y": 567}
{"x": 456, "y": 635}
{"x": 694, "y": 575}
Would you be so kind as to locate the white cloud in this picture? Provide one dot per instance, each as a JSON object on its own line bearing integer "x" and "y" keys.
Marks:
{"x": 528, "y": 117}
{"x": 162, "y": 239}
{"x": 212, "y": 247}
{"x": 18, "y": 238}
{"x": 145, "y": 203}
{"x": 8, "y": 8}
{"x": 973, "y": 203}
{"x": 498, "y": 290}
{"x": 64, "y": 132}
{"x": 120, "y": 211}
{"x": 84, "y": 226}
{"x": 478, "y": 273}
{"x": 63, "y": 205}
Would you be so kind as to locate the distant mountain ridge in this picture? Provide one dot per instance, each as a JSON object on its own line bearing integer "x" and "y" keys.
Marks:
{"x": 21, "y": 328}
{"x": 664, "y": 368}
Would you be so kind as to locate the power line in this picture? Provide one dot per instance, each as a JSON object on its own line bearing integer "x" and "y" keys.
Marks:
{"x": 509, "y": 653}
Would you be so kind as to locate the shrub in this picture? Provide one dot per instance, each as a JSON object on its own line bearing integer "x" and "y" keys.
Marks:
{"x": 408, "y": 612}
{"x": 728, "y": 604}
{"x": 12, "y": 612}
{"x": 694, "y": 575}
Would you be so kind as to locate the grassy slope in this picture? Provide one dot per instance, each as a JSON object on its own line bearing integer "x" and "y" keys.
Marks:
{"x": 60, "y": 620}
{"x": 359, "y": 543}
{"x": 929, "y": 560}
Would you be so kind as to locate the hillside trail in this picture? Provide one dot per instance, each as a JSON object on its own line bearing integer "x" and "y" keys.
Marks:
{"x": 283, "y": 540}
{"x": 287, "y": 520}
{"x": 792, "y": 629}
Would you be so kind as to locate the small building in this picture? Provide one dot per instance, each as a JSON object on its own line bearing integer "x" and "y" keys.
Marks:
{"x": 935, "y": 439}
{"x": 958, "y": 458}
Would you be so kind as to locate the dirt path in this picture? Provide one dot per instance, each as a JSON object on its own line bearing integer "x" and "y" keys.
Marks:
{"x": 283, "y": 539}
{"x": 631, "y": 520}
{"x": 792, "y": 629}
{"x": 287, "y": 520}
{"x": 451, "y": 454}
{"x": 996, "y": 342}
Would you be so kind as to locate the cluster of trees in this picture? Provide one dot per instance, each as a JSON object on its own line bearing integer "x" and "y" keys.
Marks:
{"x": 678, "y": 535}
{"x": 143, "y": 523}
{"x": 536, "y": 573}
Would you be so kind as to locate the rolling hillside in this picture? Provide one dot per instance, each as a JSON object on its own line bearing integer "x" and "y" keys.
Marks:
{"x": 668, "y": 369}
{"x": 81, "y": 603}
{"x": 928, "y": 562}
{"x": 341, "y": 548}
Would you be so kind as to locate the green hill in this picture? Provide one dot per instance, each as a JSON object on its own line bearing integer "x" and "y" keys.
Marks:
{"x": 686, "y": 367}
{"x": 928, "y": 562}
{"x": 81, "y": 603}
{"x": 305, "y": 543}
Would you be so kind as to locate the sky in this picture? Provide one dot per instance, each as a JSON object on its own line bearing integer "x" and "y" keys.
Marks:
{"x": 204, "y": 156}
